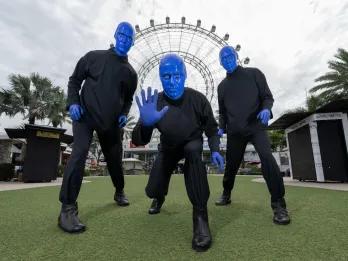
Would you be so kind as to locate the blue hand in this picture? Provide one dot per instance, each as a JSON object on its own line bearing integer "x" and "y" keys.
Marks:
{"x": 149, "y": 115}
{"x": 221, "y": 132}
{"x": 218, "y": 160}
{"x": 264, "y": 116}
{"x": 122, "y": 120}
{"x": 75, "y": 112}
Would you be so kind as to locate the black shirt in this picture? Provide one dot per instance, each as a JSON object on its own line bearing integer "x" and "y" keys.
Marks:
{"x": 108, "y": 89}
{"x": 186, "y": 120}
{"x": 242, "y": 95}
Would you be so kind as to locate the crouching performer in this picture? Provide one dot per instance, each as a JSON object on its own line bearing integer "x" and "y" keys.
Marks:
{"x": 181, "y": 115}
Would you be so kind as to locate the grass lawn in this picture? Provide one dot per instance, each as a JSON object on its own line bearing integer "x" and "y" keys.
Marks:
{"x": 241, "y": 231}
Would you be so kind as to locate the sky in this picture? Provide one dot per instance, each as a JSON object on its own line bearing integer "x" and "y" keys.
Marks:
{"x": 290, "y": 41}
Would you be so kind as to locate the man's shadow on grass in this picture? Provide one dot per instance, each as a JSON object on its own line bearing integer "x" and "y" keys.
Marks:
{"x": 94, "y": 212}
{"x": 222, "y": 216}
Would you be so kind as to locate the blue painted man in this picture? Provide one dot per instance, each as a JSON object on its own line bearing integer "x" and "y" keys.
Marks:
{"x": 245, "y": 103}
{"x": 181, "y": 115}
{"x": 99, "y": 104}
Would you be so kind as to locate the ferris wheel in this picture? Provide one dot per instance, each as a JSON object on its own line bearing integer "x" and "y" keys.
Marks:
{"x": 199, "y": 47}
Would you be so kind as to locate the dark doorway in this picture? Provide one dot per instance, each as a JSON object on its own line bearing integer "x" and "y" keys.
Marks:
{"x": 333, "y": 150}
{"x": 301, "y": 154}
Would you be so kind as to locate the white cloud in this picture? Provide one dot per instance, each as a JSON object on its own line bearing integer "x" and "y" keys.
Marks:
{"x": 291, "y": 41}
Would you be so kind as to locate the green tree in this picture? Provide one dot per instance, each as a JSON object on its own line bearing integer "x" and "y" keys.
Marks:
{"x": 57, "y": 113}
{"x": 314, "y": 102}
{"x": 27, "y": 96}
{"x": 296, "y": 110}
{"x": 278, "y": 140}
{"x": 35, "y": 98}
{"x": 334, "y": 84}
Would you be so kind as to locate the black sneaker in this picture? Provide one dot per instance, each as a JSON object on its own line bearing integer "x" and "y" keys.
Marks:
{"x": 121, "y": 199}
{"x": 224, "y": 200}
{"x": 68, "y": 219}
{"x": 156, "y": 206}
{"x": 281, "y": 215}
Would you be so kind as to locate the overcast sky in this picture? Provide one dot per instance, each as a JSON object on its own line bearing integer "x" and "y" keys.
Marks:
{"x": 290, "y": 41}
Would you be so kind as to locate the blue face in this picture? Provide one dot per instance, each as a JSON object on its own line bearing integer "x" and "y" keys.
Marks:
{"x": 124, "y": 37}
{"x": 228, "y": 58}
{"x": 173, "y": 75}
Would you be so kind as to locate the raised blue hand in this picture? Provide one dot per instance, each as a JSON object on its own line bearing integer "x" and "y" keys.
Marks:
{"x": 149, "y": 115}
{"x": 264, "y": 116}
{"x": 221, "y": 132}
{"x": 122, "y": 120}
{"x": 75, "y": 112}
{"x": 218, "y": 160}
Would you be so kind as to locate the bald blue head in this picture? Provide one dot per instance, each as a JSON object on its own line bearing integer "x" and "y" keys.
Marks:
{"x": 172, "y": 72}
{"x": 124, "y": 36}
{"x": 228, "y": 58}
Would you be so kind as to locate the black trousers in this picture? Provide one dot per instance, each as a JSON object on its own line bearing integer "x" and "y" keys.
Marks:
{"x": 236, "y": 145}
{"x": 111, "y": 145}
{"x": 196, "y": 180}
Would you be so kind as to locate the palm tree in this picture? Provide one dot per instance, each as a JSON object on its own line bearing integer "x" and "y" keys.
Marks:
{"x": 57, "y": 113}
{"x": 334, "y": 83}
{"x": 314, "y": 102}
{"x": 27, "y": 96}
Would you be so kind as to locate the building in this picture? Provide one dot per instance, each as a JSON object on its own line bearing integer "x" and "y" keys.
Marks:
{"x": 317, "y": 142}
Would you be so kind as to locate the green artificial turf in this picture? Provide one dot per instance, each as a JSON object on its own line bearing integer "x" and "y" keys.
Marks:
{"x": 241, "y": 231}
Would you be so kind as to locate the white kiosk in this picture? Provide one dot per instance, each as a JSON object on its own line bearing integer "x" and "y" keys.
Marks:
{"x": 317, "y": 142}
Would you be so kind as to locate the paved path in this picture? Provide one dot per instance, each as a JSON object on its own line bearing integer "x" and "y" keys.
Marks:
{"x": 324, "y": 185}
{"x": 4, "y": 185}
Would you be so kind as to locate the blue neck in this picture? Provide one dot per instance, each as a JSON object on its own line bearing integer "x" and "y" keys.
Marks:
{"x": 118, "y": 53}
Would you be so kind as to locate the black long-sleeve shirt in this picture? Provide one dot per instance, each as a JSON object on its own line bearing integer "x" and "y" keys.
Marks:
{"x": 108, "y": 89}
{"x": 186, "y": 120}
{"x": 241, "y": 96}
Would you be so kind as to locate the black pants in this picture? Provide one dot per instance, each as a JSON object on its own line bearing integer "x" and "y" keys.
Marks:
{"x": 196, "y": 180}
{"x": 236, "y": 145}
{"x": 111, "y": 144}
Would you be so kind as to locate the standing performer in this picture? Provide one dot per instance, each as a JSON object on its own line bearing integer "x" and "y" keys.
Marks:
{"x": 102, "y": 106}
{"x": 181, "y": 115}
{"x": 245, "y": 104}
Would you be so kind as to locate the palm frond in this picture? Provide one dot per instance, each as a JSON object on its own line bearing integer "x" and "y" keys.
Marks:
{"x": 335, "y": 82}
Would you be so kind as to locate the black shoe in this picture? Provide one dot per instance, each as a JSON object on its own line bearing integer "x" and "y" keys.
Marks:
{"x": 68, "y": 219}
{"x": 156, "y": 206}
{"x": 201, "y": 240}
{"x": 121, "y": 199}
{"x": 224, "y": 200}
{"x": 281, "y": 216}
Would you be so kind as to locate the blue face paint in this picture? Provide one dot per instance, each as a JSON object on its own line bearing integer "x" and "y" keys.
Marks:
{"x": 173, "y": 75}
{"x": 228, "y": 58}
{"x": 124, "y": 36}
